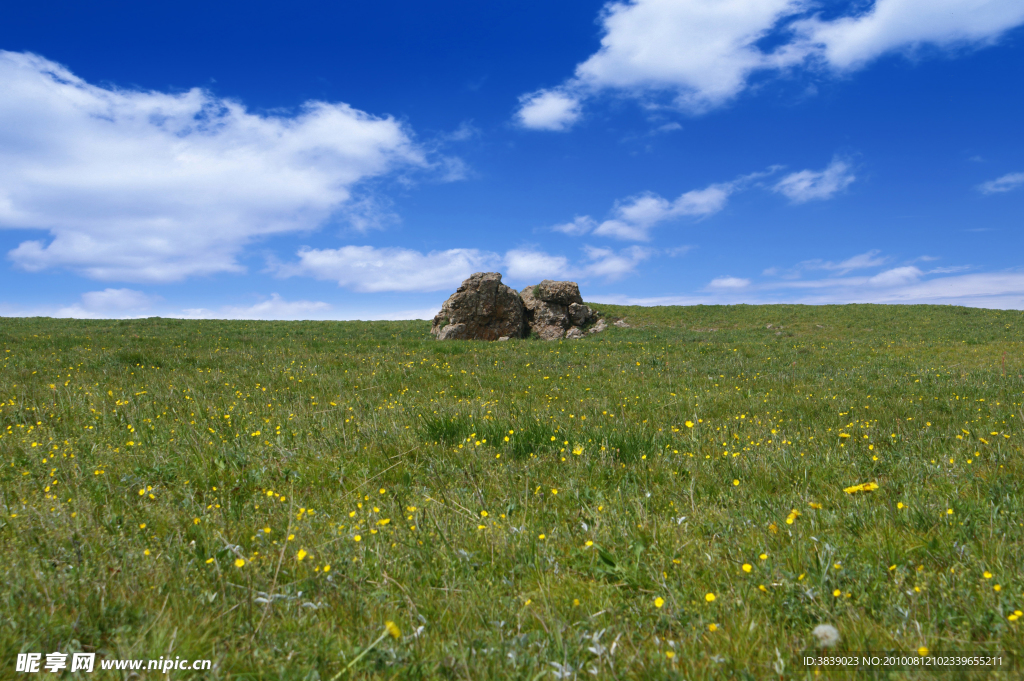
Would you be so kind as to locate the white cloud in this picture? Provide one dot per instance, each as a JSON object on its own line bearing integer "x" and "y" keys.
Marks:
{"x": 703, "y": 52}
{"x": 548, "y": 110}
{"x": 116, "y": 299}
{"x": 857, "y": 262}
{"x": 133, "y": 305}
{"x": 851, "y": 41}
{"x": 111, "y": 302}
{"x": 668, "y": 127}
{"x": 530, "y": 265}
{"x": 580, "y": 225}
{"x": 898, "y": 276}
{"x": 999, "y": 290}
{"x": 816, "y": 185}
{"x": 371, "y": 270}
{"x": 678, "y": 251}
{"x": 465, "y": 131}
{"x": 992, "y": 289}
{"x": 275, "y": 307}
{"x": 605, "y": 263}
{"x": 728, "y": 283}
{"x": 903, "y": 284}
{"x": 1006, "y": 183}
{"x": 869, "y": 260}
{"x": 368, "y": 269}
{"x": 149, "y": 186}
{"x": 622, "y": 299}
{"x": 611, "y": 265}
{"x": 634, "y": 217}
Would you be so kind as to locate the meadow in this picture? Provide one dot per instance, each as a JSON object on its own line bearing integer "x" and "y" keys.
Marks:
{"x": 687, "y": 498}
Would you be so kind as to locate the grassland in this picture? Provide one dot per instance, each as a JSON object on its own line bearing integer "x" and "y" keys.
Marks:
{"x": 664, "y": 501}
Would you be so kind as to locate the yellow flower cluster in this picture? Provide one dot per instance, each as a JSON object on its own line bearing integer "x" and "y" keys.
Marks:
{"x": 862, "y": 487}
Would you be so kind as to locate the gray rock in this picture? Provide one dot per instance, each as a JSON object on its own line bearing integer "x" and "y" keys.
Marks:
{"x": 599, "y": 327}
{"x": 485, "y": 309}
{"x": 621, "y": 323}
{"x": 580, "y": 314}
{"x": 481, "y": 309}
{"x": 558, "y": 292}
{"x": 553, "y": 307}
{"x": 547, "y": 319}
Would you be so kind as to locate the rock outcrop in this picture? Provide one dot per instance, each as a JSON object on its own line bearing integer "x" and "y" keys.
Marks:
{"x": 555, "y": 309}
{"x": 485, "y": 309}
{"x": 482, "y": 308}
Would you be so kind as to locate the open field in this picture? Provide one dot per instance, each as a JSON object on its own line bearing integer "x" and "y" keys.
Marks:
{"x": 661, "y": 501}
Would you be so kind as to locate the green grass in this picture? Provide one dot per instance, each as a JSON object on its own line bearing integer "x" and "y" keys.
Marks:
{"x": 144, "y": 461}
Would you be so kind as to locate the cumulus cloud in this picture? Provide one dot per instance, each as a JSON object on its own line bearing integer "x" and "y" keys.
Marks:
{"x": 372, "y": 270}
{"x": 116, "y": 299}
{"x": 728, "y": 283}
{"x": 153, "y": 187}
{"x": 703, "y": 52}
{"x": 816, "y": 185}
{"x": 274, "y": 307}
{"x": 897, "y": 276}
{"x": 850, "y": 41}
{"x": 612, "y": 265}
{"x": 1006, "y": 183}
{"x": 108, "y": 303}
{"x": 548, "y": 110}
{"x": 368, "y": 269}
{"x": 530, "y": 265}
{"x": 633, "y": 218}
{"x": 603, "y": 263}
{"x": 580, "y": 225}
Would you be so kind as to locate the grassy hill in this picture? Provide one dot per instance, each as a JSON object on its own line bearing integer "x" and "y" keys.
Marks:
{"x": 690, "y": 496}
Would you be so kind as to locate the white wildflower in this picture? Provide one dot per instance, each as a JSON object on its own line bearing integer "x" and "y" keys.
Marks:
{"x": 826, "y": 634}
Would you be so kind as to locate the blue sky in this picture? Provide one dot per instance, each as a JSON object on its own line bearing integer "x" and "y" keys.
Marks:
{"x": 324, "y": 160}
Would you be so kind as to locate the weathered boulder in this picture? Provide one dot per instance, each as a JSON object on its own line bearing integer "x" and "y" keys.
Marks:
{"x": 554, "y": 308}
{"x": 481, "y": 309}
{"x": 580, "y": 314}
{"x": 558, "y": 292}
